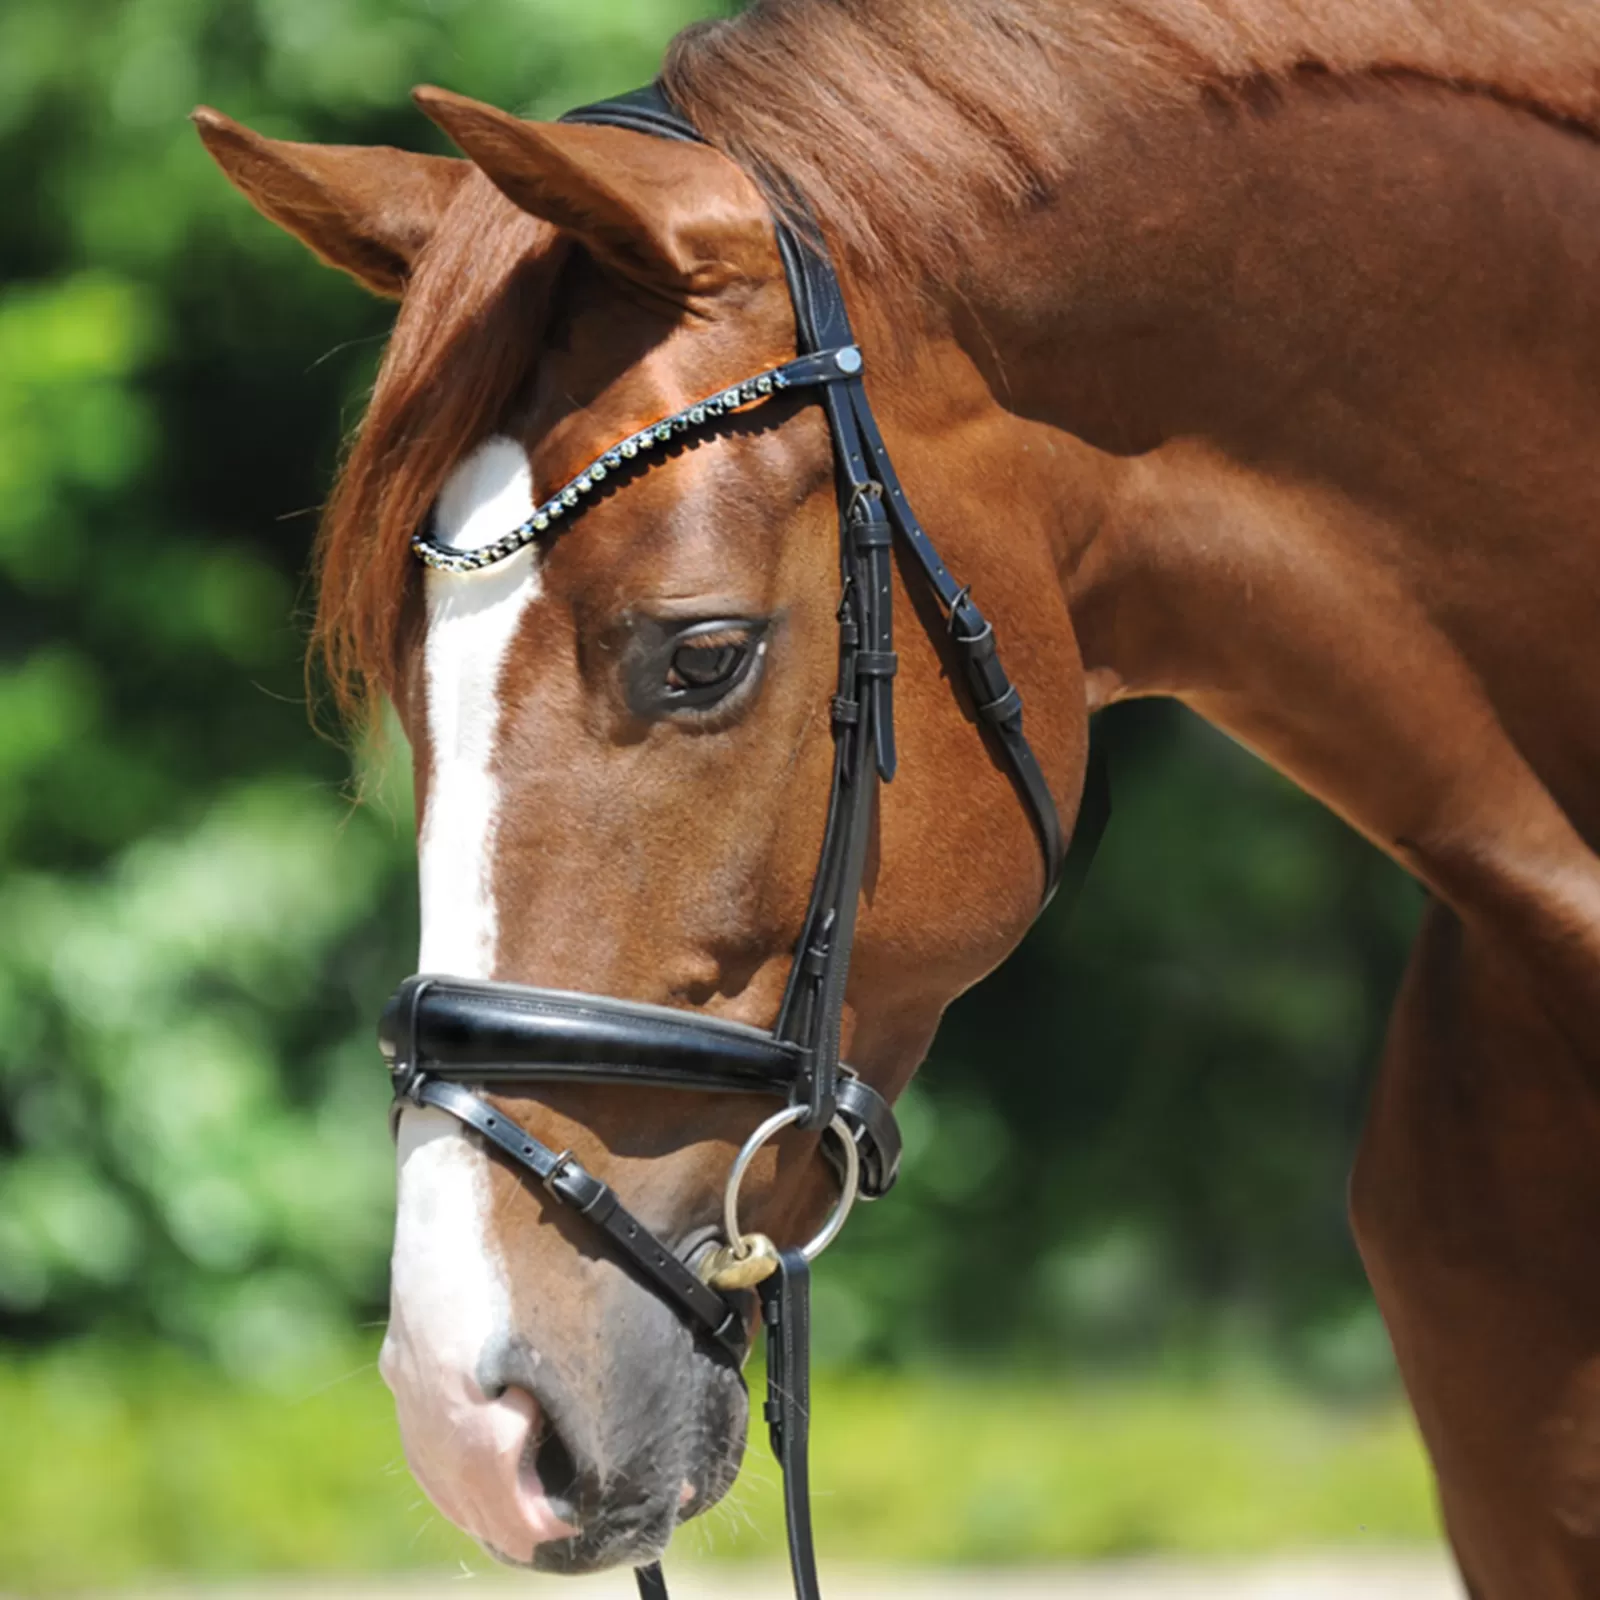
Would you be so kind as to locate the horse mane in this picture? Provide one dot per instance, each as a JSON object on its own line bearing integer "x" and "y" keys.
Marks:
{"x": 911, "y": 120}
{"x": 904, "y": 123}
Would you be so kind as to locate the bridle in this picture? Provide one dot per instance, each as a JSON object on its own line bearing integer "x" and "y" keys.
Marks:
{"x": 439, "y": 1032}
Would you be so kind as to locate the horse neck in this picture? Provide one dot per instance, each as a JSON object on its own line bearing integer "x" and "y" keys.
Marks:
{"x": 1325, "y": 366}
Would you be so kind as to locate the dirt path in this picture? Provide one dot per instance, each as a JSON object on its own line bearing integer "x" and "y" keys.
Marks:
{"x": 1332, "y": 1577}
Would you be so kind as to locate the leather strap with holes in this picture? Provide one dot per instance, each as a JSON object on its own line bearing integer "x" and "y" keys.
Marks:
{"x": 596, "y": 1202}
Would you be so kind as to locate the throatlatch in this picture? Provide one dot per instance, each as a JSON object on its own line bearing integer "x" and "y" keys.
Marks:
{"x": 439, "y": 1032}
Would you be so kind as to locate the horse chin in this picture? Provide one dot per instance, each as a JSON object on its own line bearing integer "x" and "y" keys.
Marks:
{"x": 668, "y": 1459}
{"x": 636, "y": 1531}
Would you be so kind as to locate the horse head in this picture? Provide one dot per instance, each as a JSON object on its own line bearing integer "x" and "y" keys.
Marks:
{"x": 624, "y": 734}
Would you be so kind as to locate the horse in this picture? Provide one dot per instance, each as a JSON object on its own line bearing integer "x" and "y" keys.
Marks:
{"x": 1236, "y": 351}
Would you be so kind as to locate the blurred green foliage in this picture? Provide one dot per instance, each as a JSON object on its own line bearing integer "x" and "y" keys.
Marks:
{"x": 195, "y": 922}
{"x": 191, "y": 1474}
{"x": 1129, "y": 1144}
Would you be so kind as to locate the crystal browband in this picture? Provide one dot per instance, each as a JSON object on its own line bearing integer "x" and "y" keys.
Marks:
{"x": 826, "y": 366}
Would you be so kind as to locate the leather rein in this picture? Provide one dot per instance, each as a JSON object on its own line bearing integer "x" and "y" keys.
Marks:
{"x": 438, "y": 1033}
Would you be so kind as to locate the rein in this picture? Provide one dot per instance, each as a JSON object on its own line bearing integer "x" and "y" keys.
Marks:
{"x": 438, "y": 1033}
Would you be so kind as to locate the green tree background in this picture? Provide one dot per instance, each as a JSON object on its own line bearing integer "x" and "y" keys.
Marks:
{"x": 1129, "y": 1146}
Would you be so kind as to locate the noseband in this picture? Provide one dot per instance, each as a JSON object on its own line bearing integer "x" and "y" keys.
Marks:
{"x": 438, "y": 1032}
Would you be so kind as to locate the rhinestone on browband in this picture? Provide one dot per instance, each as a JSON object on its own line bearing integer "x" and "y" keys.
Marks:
{"x": 829, "y": 366}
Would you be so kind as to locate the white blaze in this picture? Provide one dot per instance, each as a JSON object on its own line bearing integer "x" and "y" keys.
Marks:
{"x": 448, "y": 1297}
{"x": 447, "y": 1294}
{"x": 472, "y": 619}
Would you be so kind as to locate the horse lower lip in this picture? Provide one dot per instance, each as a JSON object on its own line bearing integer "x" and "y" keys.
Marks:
{"x": 563, "y": 1514}
{"x": 549, "y": 1517}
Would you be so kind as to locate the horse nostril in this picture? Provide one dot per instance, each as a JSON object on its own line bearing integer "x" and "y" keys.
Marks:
{"x": 558, "y": 1474}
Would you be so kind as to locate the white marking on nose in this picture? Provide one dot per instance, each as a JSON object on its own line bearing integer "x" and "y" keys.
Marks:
{"x": 472, "y": 619}
{"x": 448, "y": 1303}
{"x": 448, "y": 1300}
{"x": 448, "y": 1297}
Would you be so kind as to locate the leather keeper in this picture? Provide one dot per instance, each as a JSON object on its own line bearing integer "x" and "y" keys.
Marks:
{"x": 582, "y": 1190}
{"x": 1006, "y": 709}
{"x": 870, "y": 529}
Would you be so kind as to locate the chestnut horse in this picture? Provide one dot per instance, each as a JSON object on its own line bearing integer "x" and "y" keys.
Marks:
{"x": 1241, "y": 351}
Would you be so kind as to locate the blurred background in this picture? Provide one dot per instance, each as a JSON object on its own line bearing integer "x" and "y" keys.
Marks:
{"x": 1113, "y": 1305}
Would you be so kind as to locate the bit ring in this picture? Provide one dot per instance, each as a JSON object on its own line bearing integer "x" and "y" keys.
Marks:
{"x": 741, "y": 1165}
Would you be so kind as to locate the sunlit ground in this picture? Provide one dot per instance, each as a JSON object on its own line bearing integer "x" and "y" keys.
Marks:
{"x": 148, "y": 1472}
{"x": 1375, "y": 1576}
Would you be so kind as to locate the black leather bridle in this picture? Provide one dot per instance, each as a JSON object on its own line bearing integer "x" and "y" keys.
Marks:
{"x": 439, "y": 1032}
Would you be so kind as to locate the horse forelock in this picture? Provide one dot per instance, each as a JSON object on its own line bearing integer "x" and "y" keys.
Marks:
{"x": 465, "y": 340}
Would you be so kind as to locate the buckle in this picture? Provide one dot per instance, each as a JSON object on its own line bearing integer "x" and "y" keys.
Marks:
{"x": 557, "y": 1168}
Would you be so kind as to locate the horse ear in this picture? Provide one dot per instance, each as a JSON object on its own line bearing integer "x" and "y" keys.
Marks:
{"x": 367, "y": 210}
{"x": 636, "y": 203}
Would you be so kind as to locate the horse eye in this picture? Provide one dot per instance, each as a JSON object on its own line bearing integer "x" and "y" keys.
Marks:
{"x": 697, "y": 672}
{"x": 705, "y": 664}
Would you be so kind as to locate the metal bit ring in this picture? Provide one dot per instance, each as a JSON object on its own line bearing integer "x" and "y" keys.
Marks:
{"x": 741, "y": 1165}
